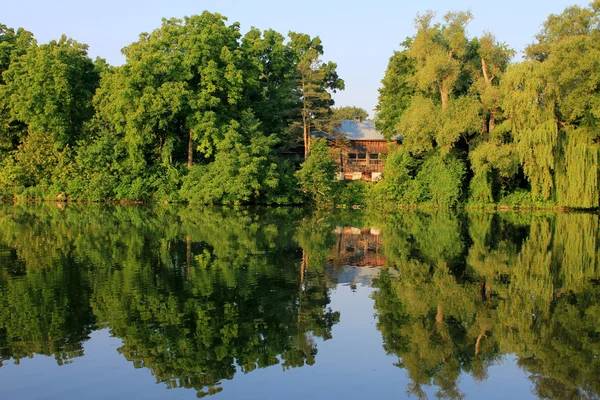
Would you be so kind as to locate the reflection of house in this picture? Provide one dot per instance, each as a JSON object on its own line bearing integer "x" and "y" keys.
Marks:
{"x": 358, "y": 247}
{"x": 361, "y": 157}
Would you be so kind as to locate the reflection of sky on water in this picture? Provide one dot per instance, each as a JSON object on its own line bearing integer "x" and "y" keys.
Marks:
{"x": 353, "y": 365}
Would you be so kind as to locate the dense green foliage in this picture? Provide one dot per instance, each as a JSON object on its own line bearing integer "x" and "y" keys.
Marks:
{"x": 526, "y": 130}
{"x": 198, "y": 113}
{"x": 203, "y": 114}
{"x": 349, "y": 113}
{"x": 316, "y": 177}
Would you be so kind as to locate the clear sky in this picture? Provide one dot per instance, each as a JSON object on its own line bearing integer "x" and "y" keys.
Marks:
{"x": 359, "y": 36}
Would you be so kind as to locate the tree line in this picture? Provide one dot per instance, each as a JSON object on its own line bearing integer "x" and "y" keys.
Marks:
{"x": 481, "y": 129}
{"x": 198, "y": 112}
{"x": 203, "y": 114}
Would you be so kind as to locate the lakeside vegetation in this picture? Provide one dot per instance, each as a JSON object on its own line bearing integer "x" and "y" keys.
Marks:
{"x": 481, "y": 129}
{"x": 200, "y": 113}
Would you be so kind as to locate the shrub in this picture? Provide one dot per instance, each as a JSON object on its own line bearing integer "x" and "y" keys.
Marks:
{"x": 316, "y": 176}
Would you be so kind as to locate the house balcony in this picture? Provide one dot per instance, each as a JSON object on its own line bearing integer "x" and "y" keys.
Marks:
{"x": 349, "y": 166}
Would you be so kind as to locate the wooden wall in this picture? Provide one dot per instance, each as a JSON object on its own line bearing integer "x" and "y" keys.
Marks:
{"x": 357, "y": 156}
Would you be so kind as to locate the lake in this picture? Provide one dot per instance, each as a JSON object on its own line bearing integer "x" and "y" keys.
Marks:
{"x": 174, "y": 302}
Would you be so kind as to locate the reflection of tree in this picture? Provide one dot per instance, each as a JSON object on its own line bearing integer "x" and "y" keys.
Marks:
{"x": 46, "y": 312}
{"x": 315, "y": 237}
{"x": 44, "y": 293}
{"x": 195, "y": 295}
{"x": 198, "y": 295}
{"x": 443, "y": 320}
{"x": 527, "y": 288}
{"x": 550, "y": 318}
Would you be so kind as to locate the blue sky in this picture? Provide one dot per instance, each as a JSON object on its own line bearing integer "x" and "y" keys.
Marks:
{"x": 359, "y": 36}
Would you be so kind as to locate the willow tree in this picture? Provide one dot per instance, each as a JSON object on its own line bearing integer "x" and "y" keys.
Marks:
{"x": 552, "y": 104}
{"x": 441, "y": 53}
{"x": 437, "y": 50}
{"x": 494, "y": 57}
{"x": 427, "y": 99}
{"x": 492, "y": 157}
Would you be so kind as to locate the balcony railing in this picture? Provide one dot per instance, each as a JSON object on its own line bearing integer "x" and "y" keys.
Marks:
{"x": 354, "y": 165}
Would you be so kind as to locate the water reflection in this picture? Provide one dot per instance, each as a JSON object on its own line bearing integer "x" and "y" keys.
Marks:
{"x": 198, "y": 296}
{"x": 493, "y": 284}
{"x": 193, "y": 295}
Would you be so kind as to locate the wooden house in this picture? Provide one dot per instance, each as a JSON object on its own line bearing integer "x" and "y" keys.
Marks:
{"x": 362, "y": 150}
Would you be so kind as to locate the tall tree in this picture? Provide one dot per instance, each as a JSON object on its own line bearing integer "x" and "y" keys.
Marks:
{"x": 12, "y": 45}
{"x": 314, "y": 79}
{"x": 438, "y": 51}
{"x": 274, "y": 97}
{"x": 50, "y": 87}
{"x": 494, "y": 57}
{"x": 552, "y": 106}
{"x": 396, "y": 92}
{"x": 181, "y": 84}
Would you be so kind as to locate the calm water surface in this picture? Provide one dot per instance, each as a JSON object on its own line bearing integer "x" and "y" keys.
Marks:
{"x": 104, "y": 302}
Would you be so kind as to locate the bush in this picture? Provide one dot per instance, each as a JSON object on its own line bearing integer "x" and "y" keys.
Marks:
{"x": 245, "y": 170}
{"x": 441, "y": 178}
{"x": 519, "y": 198}
{"x": 316, "y": 176}
{"x": 351, "y": 193}
{"x": 398, "y": 185}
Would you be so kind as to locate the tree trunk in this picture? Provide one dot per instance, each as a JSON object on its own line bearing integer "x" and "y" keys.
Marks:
{"x": 306, "y": 143}
{"x": 305, "y": 122}
{"x": 190, "y": 150}
{"x": 439, "y": 318}
{"x": 303, "y": 268}
{"x": 488, "y": 81}
{"x": 188, "y": 254}
{"x": 444, "y": 94}
{"x": 492, "y": 122}
{"x": 478, "y": 343}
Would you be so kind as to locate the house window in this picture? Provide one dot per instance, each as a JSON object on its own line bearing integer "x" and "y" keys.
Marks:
{"x": 374, "y": 156}
{"x": 352, "y": 156}
{"x": 362, "y": 156}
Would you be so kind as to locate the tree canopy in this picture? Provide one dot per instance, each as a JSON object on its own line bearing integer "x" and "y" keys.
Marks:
{"x": 204, "y": 114}
{"x": 527, "y": 130}
{"x": 198, "y": 112}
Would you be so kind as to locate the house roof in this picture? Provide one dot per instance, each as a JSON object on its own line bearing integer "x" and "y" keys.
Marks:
{"x": 355, "y": 130}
